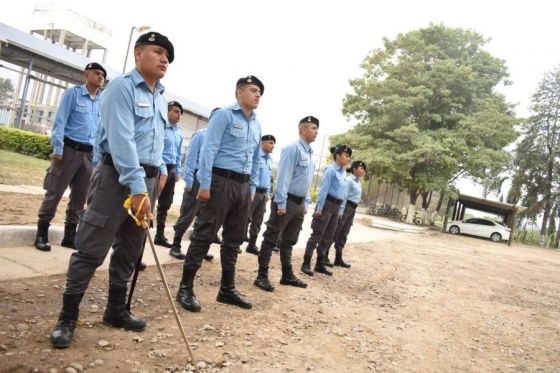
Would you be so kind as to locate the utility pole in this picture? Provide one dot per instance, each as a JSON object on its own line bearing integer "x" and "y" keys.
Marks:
{"x": 319, "y": 166}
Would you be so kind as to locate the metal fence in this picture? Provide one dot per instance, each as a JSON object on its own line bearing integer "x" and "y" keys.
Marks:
{"x": 43, "y": 95}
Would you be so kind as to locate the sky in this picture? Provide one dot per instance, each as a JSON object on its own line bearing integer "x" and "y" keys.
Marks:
{"x": 305, "y": 52}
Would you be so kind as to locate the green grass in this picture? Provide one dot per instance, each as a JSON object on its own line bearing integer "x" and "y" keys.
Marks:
{"x": 18, "y": 169}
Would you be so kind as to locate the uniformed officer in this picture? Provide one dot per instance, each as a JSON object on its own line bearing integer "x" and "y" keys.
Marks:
{"x": 73, "y": 136}
{"x": 190, "y": 205}
{"x": 228, "y": 176}
{"x": 172, "y": 156}
{"x": 262, "y": 195}
{"x": 348, "y": 208}
{"x": 289, "y": 205}
{"x": 331, "y": 194}
{"x": 133, "y": 118}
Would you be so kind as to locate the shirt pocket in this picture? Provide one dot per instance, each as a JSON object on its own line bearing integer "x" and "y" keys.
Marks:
{"x": 143, "y": 111}
{"x": 237, "y": 130}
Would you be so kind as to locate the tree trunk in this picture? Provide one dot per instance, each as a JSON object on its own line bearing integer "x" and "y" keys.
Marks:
{"x": 412, "y": 206}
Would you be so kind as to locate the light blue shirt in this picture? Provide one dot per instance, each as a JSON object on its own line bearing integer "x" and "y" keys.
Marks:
{"x": 132, "y": 124}
{"x": 77, "y": 118}
{"x": 295, "y": 173}
{"x": 172, "y": 146}
{"x": 354, "y": 188}
{"x": 333, "y": 184}
{"x": 231, "y": 143}
{"x": 192, "y": 157}
{"x": 265, "y": 170}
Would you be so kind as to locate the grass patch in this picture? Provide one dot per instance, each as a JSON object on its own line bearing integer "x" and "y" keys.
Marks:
{"x": 19, "y": 169}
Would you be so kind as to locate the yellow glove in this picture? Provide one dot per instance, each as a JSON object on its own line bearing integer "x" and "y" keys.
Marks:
{"x": 128, "y": 205}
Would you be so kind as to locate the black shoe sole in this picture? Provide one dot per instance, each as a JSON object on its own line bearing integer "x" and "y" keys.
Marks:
{"x": 60, "y": 345}
{"x": 43, "y": 248}
{"x": 189, "y": 308}
{"x": 67, "y": 244}
{"x": 252, "y": 252}
{"x": 227, "y": 301}
{"x": 121, "y": 326}
{"x": 324, "y": 272}
{"x": 287, "y": 283}
{"x": 177, "y": 256}
{"x": 269, "y": 289}
{"x": 208, "y": 258}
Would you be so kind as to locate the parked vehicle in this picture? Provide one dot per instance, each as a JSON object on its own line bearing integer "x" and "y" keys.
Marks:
{"x": 494, "y": 230}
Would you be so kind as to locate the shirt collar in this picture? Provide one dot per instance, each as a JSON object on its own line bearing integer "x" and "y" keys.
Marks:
{"x": 337, "y": 167}
{"x": 84, "y": 92}
{"x": 168, "y": 124}
{"x": 238, "y": 107}
{"x": 263, "y": 154}
{"x": 306, "y": 146}
{"x": 137, "y": 79}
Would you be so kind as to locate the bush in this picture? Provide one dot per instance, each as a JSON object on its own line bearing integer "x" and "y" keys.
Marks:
{"x": 314, "y": 194}
{"x": 25, "y": 142}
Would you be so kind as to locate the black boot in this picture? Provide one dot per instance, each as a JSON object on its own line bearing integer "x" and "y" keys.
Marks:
{"x": 176, "y": 247}
{"x": 42, "y": 238}
{"x": 63, "y": 332}
{"x": 327, "y": 262}
{"x": 69, "y": 235}
{"x": 252, "y": 246}
{"x": 116, "y": 313}
{"x": 306, "y": 266}
{"x": 185, "y": 295}
{"x": 142, "y": 266}
{"x": 160, "y": 239}
{"x": 288, "y": 278}
{"x": 228, "y": 294}
{"x": 320, "y": 266}
{"x": 339, "y": 262}
{"x": 262, "y": 281}
{"x": 208, "y": 257}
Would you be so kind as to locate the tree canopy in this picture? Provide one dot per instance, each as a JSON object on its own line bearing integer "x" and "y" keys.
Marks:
{"x": 427, "y": 109}
{"x": 536, "y": 181}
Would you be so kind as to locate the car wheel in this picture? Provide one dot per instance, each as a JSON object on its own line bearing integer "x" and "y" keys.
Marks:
{"x": 454, "y": 229}
{"x": 496, "y": 237}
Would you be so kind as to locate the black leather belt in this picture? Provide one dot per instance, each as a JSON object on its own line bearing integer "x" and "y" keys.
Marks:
{"x": 262, "y": 190}
{"x": 86, "y": 148}
{"x": 335, "y": 200}
{"x": 296, "y": 199}
{"x": 151, "y": 171}
{"x": 228, "y": 174}
{"x": 352, "y": 204}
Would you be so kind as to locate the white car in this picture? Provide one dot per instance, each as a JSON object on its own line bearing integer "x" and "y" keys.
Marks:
{"x": 494, "y": 230}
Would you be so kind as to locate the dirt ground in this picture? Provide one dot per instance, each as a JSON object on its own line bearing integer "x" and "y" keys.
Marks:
{"x": 17, "y": 208}
{"x": 410, "y": 303}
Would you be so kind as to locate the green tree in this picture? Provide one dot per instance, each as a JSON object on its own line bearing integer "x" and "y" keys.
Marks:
{"x": 6, "y": 89}
{"x": 427, "y": 111}
{"x": 537, "y": 177}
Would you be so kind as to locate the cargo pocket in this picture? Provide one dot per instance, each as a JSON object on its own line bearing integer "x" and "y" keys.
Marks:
{"x": 94, "y": 218}
{"x": 53, "y": 178}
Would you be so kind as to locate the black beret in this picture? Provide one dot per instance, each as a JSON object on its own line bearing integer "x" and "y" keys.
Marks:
{"x": 155, "y": 38}
{"x": 268, "y": 138}
{"x": 250, "y": 79}
{"x": 96, "y": 66}
{"x": 310, "y": 119}
{"x": 339, "y": 148}
{"x": 174, "y": 103}
{"x": 213, "y": 111}
{"x": 356, "y": 164}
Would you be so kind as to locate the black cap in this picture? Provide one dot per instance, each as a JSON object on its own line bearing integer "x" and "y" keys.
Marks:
{"x": 310, "y": 119}
{"x": 213, "y": 111}
{"x": 155, "y": 38}
{"x": 268, "y": 138}
{"x": 96, "y": 66}
{"x": 250, "y": 79}
{"x": 174, "y": 103}
{"x": 339, "y": 148}
{"x": 356, "y": 164}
